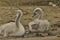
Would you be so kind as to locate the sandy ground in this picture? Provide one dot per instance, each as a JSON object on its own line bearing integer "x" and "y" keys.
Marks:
{"x": 32, "y": 38}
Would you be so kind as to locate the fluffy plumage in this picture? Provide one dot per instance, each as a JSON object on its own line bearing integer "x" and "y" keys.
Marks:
{"x": 13, "y": 28}
{"x": 43, "y": 25}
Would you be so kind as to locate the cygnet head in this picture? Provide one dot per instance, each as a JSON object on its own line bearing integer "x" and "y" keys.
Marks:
{"x": 37, "y": 11}
{"x": 19, "y": 12}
